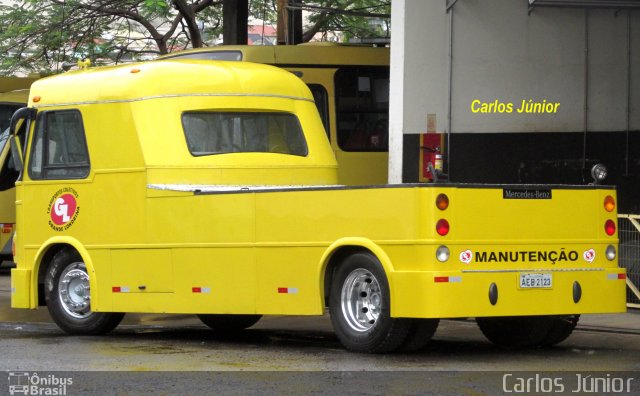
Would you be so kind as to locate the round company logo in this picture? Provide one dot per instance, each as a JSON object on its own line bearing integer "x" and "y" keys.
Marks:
{"x": 63, "y": 209}
{"x": 589, "y": 255}
{"x": 466, "y": 256}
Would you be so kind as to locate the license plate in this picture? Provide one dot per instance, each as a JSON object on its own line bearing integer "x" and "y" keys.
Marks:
{"x": 536, "y": 281}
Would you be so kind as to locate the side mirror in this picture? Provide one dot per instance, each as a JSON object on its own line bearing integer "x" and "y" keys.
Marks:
{"x": 21, "y": 116}
{"x": 16, "y": 153}
{"x": 24, "y": 113}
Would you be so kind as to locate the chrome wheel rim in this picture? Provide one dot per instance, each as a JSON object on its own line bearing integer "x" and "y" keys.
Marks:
{"x": 74, "y": 291}
{"x": 361, "y": 300}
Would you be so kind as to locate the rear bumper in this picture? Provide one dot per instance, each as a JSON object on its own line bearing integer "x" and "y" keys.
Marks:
{"x": 467, "y": 293}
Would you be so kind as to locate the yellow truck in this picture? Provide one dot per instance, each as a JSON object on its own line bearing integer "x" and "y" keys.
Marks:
{"x": 209, "y": 188}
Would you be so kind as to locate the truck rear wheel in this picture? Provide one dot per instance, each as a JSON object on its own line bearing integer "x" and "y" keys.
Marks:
{"x": 68, "y": 298}
{"x": 229, "y": 323}
{"x": 359, "y": 305}
{"x": 421, "y": 332}
{"x": 527, "y": 331}
{"x": 561, "y": 328}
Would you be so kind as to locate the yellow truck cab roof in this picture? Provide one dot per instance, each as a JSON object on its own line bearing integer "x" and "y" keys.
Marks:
{"x": 143, "y": 115}
{"x": 161, "y": 78}
{"x": 304, "y": 54}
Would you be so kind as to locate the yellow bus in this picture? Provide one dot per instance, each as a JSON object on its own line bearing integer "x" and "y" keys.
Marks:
{"x": 350, "y": 85}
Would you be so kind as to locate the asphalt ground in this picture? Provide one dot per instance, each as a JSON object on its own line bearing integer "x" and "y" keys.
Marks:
{"x": 176, "y": 354}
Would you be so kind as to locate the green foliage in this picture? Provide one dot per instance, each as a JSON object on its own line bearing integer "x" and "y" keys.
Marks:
{"x": 353, "y": 18}
{"x": 43, "y": 36}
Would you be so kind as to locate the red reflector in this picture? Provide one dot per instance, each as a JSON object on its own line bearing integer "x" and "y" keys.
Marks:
{"x": 283, "y": 290}
{"x": 6, "y": 228}
{"x": 622, "y": 276}
{"x": 442, "y": 227}
{"x": 196, "y": 290}
{"x": 610, "y": 227}
{"x": 441, "y": 279}
{"x": 116, "y": 289}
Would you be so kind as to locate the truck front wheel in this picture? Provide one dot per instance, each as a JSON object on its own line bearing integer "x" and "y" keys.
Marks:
{"x": 68, "y": 299}
{"x": 359, "y": 305}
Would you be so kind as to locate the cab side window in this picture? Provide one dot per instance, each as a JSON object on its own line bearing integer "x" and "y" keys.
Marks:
{"x": 59, "y": 148}
{"x": 210, "y": 133}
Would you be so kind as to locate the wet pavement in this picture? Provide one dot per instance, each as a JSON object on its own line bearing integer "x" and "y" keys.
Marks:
{"x": 143, "y": 343}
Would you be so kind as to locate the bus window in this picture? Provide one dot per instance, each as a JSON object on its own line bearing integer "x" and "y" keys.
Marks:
{"x": 362, "y": 109}
{"x": 322, "y": 103}
{"x": 213, "y": 55}
{"x": 6, "y": 111}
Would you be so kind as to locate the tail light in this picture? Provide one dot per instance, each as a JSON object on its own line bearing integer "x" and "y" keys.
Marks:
{"x": 442, "y": 201}
{"x": 442, "y": 254}
{"x": 609, "y": 203}
{"x": 610, "y": 253}
{"x": 610, "y": 227}
{"x": 442, "y": 227}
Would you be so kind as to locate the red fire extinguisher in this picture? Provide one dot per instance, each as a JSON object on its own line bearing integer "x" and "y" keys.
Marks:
{"x": 430, "y": 154}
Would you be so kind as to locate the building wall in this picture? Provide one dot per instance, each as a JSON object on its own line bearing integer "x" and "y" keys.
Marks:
{"x": 501, "y": 52}
{"x": 586, "y": 60}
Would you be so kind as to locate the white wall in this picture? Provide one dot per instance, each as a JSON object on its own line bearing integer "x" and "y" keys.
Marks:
{"x": 501, "y": 52}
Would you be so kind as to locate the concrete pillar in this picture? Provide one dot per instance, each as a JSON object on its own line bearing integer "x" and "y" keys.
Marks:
{"x": 294, "y": 25}
{"x": 235, "y": 14}
{"x": 396, "y": 94}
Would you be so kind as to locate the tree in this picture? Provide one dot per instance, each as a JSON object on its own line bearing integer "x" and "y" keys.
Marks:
{"x": 43, "y": 35}
{"x": 354, "y": 18}
{"x": 40, "y": 36}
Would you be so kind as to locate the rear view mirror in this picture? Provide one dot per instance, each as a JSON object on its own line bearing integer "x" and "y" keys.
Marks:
{"x": 20, "y": 118}
{"x": 16, "y": 153}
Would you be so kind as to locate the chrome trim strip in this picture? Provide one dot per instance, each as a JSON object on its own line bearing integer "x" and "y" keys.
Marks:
{"x": 172, "y": 96}
{"x": 227, "y": 188}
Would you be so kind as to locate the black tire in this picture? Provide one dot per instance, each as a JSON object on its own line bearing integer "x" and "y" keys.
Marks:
{"x": 78, "y": 320}
{"x": 229, "y": 323}
{"x": 526, "y": 331}
{"x": 375, "y": 331}
{"x": 420, "y": 333}
{"x": 560, "y": 329}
